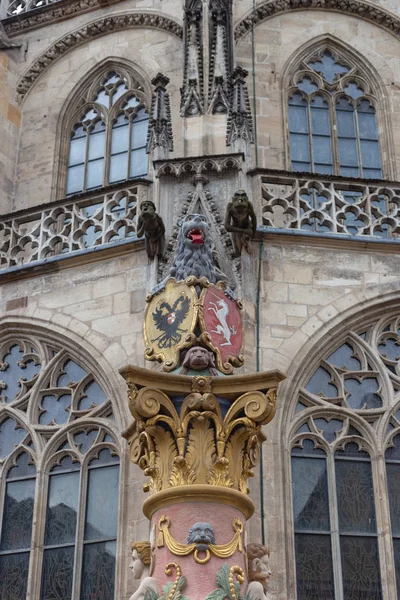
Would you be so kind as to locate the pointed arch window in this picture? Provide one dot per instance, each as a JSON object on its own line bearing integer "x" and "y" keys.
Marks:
{"x": 108, "y": 135}
{"x": 332, "y": 123}
{"x": 51, "y": 399}
{"x": 345, "y": 468}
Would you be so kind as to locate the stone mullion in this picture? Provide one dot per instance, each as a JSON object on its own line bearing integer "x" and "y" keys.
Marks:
{"x": 385, "y": 545}
{"x": 80, "y": 531}
{"x": 107, "y": 149}
{"x": 38, "y": 531}
{"x": 334, "y": 520}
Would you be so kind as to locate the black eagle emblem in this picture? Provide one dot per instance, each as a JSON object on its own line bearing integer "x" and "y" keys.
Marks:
{"x": 168, "y": 319}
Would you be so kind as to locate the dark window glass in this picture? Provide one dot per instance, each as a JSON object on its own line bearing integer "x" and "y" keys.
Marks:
{"x": 314, "y": 572}
{"x": 14, "y": 575}
{"x": 355, "y": 496}
{"x": 102, "y": 509}
{"x": 360, "y": 568}
{"x": 310, "y": 494}
{"x": 57, "y": 574}
{"x": 98, "y": 574}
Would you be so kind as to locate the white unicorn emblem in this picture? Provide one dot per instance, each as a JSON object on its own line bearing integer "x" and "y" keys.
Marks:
{"x": 221, "y": 311}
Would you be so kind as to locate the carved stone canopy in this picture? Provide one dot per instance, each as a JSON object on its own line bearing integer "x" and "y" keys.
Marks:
{"x": 198, "y": 431}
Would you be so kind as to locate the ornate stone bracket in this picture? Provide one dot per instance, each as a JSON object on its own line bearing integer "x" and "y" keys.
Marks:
{"x": 159, "y": 139}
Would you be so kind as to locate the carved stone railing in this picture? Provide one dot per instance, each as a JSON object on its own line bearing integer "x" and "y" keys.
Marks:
{"x": 327, "y": 204}
{"x": 70, "y": 225}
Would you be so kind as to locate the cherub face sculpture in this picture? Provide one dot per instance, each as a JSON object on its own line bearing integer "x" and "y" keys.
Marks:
{"x": 201, "y": 533}
{"x": 136, "y": 565}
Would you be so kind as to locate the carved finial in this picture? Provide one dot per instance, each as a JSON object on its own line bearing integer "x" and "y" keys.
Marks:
{"x": 160, "y": 138}
{"x": 240, "y": 126}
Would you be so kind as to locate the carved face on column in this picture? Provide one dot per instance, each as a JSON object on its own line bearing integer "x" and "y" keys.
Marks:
{"x": 141, "y": 558}
{"x": 201, "y": 533}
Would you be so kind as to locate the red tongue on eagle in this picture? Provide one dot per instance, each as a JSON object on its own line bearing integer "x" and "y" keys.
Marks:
{"x": 196, "y": 235}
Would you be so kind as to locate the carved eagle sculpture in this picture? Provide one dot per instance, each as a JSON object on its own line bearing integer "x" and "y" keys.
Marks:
{"x": 168, "y": 319}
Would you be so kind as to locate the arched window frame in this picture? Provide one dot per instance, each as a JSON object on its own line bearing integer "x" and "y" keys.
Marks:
{"x": 82, "y": 100}
{"x": 43, "y": 440}
{"x": 360, "y": 70}
{"x": 376, "y": 429}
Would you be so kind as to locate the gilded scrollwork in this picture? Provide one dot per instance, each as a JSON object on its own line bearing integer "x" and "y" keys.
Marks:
{"x": 192, "y": 441}
{"x": 203, "y": 546}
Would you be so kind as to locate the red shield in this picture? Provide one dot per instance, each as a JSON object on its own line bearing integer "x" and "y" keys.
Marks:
{"x": 222, "y": 321}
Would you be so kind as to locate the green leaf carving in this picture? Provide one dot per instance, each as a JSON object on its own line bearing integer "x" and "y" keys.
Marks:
{"x": 223, "y": 591}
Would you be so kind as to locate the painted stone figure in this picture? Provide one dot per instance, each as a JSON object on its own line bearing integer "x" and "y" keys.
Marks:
{"x": 241, "y": 221}
{"x": 198, "y": 359}
{"x": 259, "y": 571}
{"x": 140, "y": 566}
{"x": 151, "y": 225}
{"x": 201, "y": 534}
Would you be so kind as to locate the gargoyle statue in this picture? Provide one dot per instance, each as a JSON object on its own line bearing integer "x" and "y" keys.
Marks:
{"x": 241, "y": 221}
{"x": 151, "y": 225}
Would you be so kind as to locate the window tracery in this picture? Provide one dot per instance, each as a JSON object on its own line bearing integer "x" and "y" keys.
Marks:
{"x": 58, "y": 452}
{"x": 332, "y": 123}
{"x": 108, "y": 133}
{"x": 345, "y": 468}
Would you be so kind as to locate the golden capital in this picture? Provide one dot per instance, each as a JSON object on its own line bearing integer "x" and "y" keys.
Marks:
{"x": 196, "y": 431}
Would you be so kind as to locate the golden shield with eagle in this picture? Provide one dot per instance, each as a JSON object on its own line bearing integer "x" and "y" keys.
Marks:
{"x": 169, "y": 323}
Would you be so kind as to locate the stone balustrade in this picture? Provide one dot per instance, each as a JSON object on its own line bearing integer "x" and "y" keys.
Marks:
{"x": 328, "y": 204}
{"x": 70, "y": 225}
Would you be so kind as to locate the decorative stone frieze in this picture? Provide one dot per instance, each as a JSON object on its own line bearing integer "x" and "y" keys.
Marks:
{"x": 92, "y": 30}
{"x": 363, "y": 10}
{"x": 240, "y": 126}
{"x": 179, "y": 167}
{"x": 329, "y": 204}
{"x": 159, "y": 138}
{"x": 69, "y": 226}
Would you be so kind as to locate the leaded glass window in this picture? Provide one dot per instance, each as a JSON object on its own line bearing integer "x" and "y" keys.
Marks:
{"x": 345, "y": 426}
{"x": 332, "y": 119}
{"x": 51, "y": 396}
{"x": 108, "y": 135}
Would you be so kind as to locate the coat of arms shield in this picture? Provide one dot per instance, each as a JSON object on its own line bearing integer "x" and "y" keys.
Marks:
{"x": 221, "y": 323}
{"x": 169, "y": 323}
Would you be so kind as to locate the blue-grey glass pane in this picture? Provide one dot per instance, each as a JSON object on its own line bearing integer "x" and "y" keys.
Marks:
{"x": 98, "y": 574}
{"x": 362, "y": 394}
{"x": 78, "y": 132}
{"x": 314, "y": 572}
{"x": 370, "y": 154}
{"x": 355, "y": 496}
{"x": 62, "y": 508}
{"x": 322, "y": 151}
{"x": 66, "y": 463}
{"x": 56, "y": 409}
{"x": 57, "y": 573}
{"x": 344, "y": 357}
{"x": 103, "y": 98}
{"x": 393, "y": 481}
{"x": 349, "y": 172}
{"x": 120, "y": 139}
{"x": 16, "y": 367}
{"x": 328, "y": 67}
{"x": 102, "y": 509}
{"x": 77, "y": 150}
{"x": 119, "y": 167}
{"x": 351, "y": 448}
{"x": 329, "y": 429}
{"x": 10, "y": 436}
{"x": 360, "y": 568}
{"x": 354, "y": 90}
{"x": 121, "y": 89}
{"x": 17, "y": 516}
{"x": 75, "y": 179}
{"x": 14, "y": 576}
{"x": 22, "y": 468}
{"x": 308, "y": 447}
{"x": 327, "y": 169}
{"x": 94, "y": 176}
{"x": 321, "y": 383}
{"x": 298, "y": 166}
{"x": 297, "y": 99}
{"x": 372, "y": 173}
{"x": 72, "y": 373}
{"x": 299, "y": 148}
{"x": 105, "y": 457}
{"x": 307, "y": 85}
{"x": 298, "y": 122}
{"x": 348, "y": 153}
{"x": 367, "y": 126}
{"x": 310, "y": 494}
{"x": 93, "y": 394}
{"x": 320, "y": 122}
{"x": 396, "y": 548}
{"x": 85, "y": 439}
{"x": 393, "y": 452}
{"x": 345, "y": 123}
{"x": 139, "y": 163}
{"x": 139, "y": 134}
{"x": 96, "y": 145}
